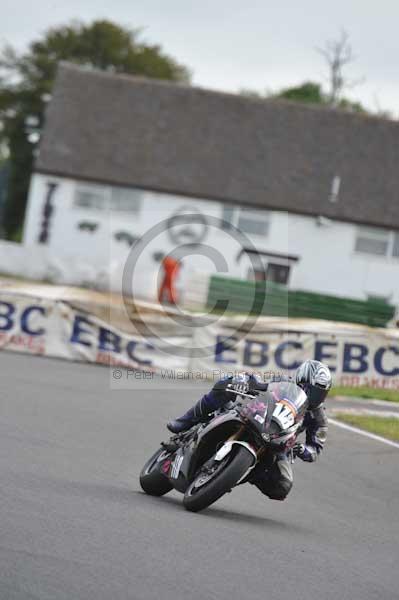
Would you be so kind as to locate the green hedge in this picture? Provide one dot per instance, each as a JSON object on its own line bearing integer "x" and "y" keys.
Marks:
{"x": 265, "y": 298}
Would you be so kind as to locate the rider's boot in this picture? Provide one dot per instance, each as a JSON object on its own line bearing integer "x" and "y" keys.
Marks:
{"x": 199, "y": 412}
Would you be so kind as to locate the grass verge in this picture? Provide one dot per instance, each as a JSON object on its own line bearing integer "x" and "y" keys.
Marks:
{"x": 366, "y": 392}
{"x": 387, "y": 427}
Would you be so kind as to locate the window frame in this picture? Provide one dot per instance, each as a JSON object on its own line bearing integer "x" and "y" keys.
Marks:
{"x": 395, "y": 245}
{"x": 91, "y": 188}
{"x": 231, "y": 216}
{"x": 373, "y": 234}
{"x": 106, "y": 192}
{"x": 136, "y": 205}
{"x": 278, "y": 265}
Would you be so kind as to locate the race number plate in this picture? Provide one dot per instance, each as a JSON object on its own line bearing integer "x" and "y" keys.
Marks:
{"x": 284, "y": 414}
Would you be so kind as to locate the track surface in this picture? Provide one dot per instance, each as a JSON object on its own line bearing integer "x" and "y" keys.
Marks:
{"x": 74, "y": 524}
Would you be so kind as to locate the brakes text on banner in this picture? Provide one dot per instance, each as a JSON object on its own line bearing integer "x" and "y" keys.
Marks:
{"x": 358, "y": 357}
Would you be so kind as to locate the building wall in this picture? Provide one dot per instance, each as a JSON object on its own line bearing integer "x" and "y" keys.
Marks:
{"x": 327, "y": 260}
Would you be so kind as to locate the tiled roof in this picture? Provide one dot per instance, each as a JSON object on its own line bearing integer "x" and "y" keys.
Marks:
{"x": 273, "y": 154}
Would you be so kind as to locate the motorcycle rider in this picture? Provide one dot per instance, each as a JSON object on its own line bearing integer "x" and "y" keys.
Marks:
{"x": 275, "y": 480}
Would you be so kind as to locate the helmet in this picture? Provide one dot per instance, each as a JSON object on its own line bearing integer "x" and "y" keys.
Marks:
{"x": 315, "y": 379}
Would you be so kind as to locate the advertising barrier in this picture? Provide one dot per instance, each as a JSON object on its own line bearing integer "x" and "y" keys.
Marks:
{"x": 54, "y": 328}
{"x": 356, "y": 355}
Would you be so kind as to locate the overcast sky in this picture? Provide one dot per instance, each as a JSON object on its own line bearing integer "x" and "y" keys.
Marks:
{"x": 229, "y": 44}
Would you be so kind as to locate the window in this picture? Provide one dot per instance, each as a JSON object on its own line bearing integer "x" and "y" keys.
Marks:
{"x": 97, "y": 197}
{"x": 371, "y": 240}
{"x": 380, "y": 242}
{"x": 228, "y": 215}
{"x": 395, "y": 247}
{"x": 126, "y": 199}
{"x": 277, "y": 273}
{"x": 91, "y": 197}
{"x": 252, "y": 222}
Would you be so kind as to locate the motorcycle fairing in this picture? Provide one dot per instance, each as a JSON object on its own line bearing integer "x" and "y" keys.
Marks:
{"x": 199, "y": 447}
{"x": 212, "y": 436}
{"x": 178, "y": 473}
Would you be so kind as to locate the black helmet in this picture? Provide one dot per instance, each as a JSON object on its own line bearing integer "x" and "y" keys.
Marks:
{"x": 315, "y": 379}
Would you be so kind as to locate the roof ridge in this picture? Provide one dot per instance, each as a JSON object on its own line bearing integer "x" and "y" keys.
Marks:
{"x": 96, "y": 72}
{"x": 157, "y": 135}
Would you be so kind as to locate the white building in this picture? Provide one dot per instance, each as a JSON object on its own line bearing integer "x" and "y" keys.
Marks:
{"x": 313, "y": 191}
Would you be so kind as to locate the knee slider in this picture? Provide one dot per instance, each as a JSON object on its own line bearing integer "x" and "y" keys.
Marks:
{"x": 280, "y": 489}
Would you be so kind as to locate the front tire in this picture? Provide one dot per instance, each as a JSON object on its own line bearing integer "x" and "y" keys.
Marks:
{"x": 152, "y": 480}
{"x": 203, "y": 492}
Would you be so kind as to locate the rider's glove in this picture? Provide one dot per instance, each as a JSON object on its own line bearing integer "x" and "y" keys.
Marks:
{"x": 306, "y": 453}
{"x": 315, "y": 442}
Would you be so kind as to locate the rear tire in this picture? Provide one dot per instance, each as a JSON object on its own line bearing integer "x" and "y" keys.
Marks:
{"x": 231, "y": 469}
{"x": 152, "y": 480}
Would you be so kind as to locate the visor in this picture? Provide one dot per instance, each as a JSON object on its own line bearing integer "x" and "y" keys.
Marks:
{"x": 316, "y": 396}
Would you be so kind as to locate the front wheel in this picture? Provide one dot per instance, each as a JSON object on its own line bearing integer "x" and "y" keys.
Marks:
{"x": 215, "y": 480}
{"x": 152, "y": 480}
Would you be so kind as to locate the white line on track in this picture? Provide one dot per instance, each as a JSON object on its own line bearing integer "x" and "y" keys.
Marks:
{"x": 355, "y": 410}
{"x": 365, "y": 401}
{"x": 373, "y": 436}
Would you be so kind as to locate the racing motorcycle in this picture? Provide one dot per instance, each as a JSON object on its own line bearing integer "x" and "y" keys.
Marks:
{"x": 212, "y": 457}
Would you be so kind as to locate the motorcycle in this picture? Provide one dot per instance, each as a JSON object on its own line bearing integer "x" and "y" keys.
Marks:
{"x": 212, "y": 457}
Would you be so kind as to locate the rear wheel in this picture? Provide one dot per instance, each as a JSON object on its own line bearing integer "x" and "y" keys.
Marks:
{"x": 152, "y": 480}
{"x": 216, "y": 479}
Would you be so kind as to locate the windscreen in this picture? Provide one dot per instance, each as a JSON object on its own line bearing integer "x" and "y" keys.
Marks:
{"x": 290, "y": 394}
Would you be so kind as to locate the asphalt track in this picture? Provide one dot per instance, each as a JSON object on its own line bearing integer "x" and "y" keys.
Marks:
{"x": 74, "y": 524}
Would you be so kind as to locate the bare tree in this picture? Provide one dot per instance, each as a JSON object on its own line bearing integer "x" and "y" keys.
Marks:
{"x": 337, "y": 54}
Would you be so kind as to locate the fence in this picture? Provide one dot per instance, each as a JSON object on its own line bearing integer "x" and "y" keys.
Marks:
{"x": 266, "y": 298}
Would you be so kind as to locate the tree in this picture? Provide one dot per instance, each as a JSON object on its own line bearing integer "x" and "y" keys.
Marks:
{"x": 312, "y": 93}
{"x": 26, "y": 82}
{"x": 306, "y": 92}
{"x": 337, "y": 54}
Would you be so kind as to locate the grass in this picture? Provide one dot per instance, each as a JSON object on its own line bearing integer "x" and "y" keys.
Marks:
{"x": 366, "y": 392}
{"x": 387, "y": 427}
